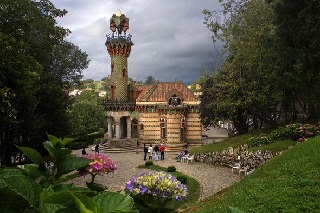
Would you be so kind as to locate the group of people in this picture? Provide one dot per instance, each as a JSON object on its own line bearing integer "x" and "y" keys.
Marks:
{"x": 154, "y": 151}
{"x": 96, "y": 149}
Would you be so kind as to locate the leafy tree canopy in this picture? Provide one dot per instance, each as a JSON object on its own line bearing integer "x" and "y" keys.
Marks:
{"x": 38, "y": 66}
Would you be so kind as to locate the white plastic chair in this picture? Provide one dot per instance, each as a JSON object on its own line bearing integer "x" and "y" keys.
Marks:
{"x": 185, "y": 159}
{"x": 243, "y": 171}
{"x": 190, "y": 159}
{"x": 236, "y": 167}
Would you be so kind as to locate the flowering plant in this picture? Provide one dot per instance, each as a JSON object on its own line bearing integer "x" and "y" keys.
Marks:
{"x": 302, "y": 130}
{"x": 100, "y": 164}
{"x": 156, "y": 189}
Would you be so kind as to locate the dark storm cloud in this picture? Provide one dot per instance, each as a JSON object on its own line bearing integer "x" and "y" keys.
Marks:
{"x": 171, "y": 41}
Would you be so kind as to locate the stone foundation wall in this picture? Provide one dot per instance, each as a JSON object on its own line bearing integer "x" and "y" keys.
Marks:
{"x": 250, "y": 160}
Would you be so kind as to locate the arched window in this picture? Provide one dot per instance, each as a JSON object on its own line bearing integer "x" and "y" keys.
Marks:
{"x": 124, "y": 72}
{"x": 112, "y": 92}
{"x": 163, "y": 127}
{"x": 131, "y": 96}
{"x": 183, "y": 123}
{"x": 183, "y": 129}
{"x": 112, "y": 66}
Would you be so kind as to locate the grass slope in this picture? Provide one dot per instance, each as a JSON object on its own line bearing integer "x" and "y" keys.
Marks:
{"x": 288, "y": 183}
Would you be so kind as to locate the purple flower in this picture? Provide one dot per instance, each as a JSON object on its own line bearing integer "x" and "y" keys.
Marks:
{"x": 130, "y": 184}
{"x": 160, "y": 185}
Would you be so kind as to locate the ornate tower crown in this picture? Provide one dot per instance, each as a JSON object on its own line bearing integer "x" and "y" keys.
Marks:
{"x": 119, "y": 22}
{"x": 119, "y": 48}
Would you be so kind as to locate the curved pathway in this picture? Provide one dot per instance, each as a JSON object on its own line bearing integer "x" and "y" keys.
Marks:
{"x": 212, "y": 178}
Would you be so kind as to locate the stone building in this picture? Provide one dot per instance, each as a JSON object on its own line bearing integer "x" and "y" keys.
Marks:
{"x": 164, "y": 112}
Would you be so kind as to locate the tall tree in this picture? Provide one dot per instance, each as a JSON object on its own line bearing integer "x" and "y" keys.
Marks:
{"x": 38, "y": 66}
{"x": 246, "y": 87}
{"x": 298, "y": 30}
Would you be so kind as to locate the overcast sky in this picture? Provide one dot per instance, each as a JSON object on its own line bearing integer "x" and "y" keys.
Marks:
{"x": 170, "y": 40}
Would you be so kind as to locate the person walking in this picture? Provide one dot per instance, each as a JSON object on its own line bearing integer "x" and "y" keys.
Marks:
{"x": 156, "y": 152}
{"x": 145, "y": 150}
{"x": 84, "y": 151}
{"x": 96, "y": 149}
{"x": 150, "y": 150}
{"x": 161, "y": 149}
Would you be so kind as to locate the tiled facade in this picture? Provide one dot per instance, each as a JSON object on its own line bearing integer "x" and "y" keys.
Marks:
{"x": 164, "y": 112}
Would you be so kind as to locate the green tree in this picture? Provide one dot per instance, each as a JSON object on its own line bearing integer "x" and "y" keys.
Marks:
{"x": 150, "y": 80}
{"x": 38, "y": 66}
{"x": 298, "y": 27}
{"x": 87, "y": 114}
{"x": 246, "y": 87}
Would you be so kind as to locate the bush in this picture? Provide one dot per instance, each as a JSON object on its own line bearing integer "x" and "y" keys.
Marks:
{"x": 171, "y": 169}
{"x": 182, "y": 179}
{"x": 297, "y": 132}
{"x": 77, "y": 145}
{"x": 148, "y": 163}
{"x": 260, "y": 140}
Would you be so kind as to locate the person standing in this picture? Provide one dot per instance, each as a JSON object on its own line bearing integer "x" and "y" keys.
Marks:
{"x": 161, "y": 149}
{"x": 150, "y": 150}
{"x": 96, "y": 149}
{"x": 84, "y": 151}
{"x": 156, "y": 152}
{"x": 145, "y": 150}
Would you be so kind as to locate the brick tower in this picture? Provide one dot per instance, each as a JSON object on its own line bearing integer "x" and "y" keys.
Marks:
{"x": 119, "y": 48}
{"x": 121, "y": 103}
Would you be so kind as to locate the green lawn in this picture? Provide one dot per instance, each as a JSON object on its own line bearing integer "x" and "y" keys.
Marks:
{"x": 229, "y": 142}
{"x": 275, "y": 147}
{"x": 288, "y": 183}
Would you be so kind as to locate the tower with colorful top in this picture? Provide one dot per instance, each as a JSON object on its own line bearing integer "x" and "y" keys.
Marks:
{"x": 119, "y": 48}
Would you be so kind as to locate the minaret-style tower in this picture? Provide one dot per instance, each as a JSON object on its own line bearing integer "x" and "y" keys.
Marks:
{"x": 119, "y": 48}
{"x": 121, "y": 104}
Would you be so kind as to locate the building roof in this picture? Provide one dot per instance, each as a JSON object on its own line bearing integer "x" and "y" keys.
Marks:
{"x": 162, "y": 91}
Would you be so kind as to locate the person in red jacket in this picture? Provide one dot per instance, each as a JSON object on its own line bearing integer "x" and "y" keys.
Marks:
{"x": 161, "y": 149}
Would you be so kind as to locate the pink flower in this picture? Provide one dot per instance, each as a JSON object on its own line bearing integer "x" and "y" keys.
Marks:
{"x": 309, "y": 133}
{"x": 100, "y": 164}
{"x": 301, "y": 139}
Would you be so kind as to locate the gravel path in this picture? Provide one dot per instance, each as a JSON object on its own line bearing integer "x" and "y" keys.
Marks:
{"x": 211, "y": 178}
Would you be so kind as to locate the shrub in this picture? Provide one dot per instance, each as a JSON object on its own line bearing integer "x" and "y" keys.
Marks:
{"x": 260, "y": 140}
{"x": 148, "y": 163}
{"x": 302, "y": 130}
{"x": 296, "y": 131}
{"x": 154, "y": 190}
{"x": 182, "y": 179}
{"x": 171, "y": 169}
{"x": 281, "y": 133}
{"x": 77, "y": 145}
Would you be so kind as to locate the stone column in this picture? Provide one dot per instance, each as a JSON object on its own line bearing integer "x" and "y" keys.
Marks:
{"x": 128, "y": 127}
{"x": 109, "y": 120}
{"x": 118, "y": 130}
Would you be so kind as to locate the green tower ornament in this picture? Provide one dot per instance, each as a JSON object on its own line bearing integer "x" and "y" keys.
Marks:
{"x": 119, "y": 22}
